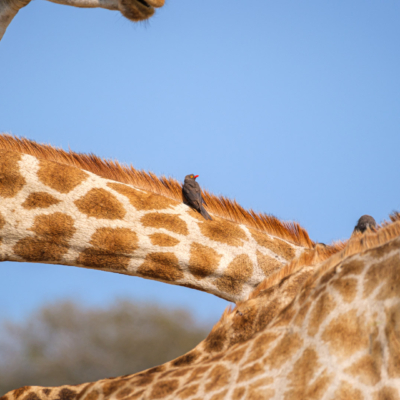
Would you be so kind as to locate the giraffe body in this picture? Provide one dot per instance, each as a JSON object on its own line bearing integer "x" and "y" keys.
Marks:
{"x": 307, "y": 329}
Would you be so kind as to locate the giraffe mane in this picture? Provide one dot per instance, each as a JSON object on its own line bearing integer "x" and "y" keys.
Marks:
{"x": 220, "y": 206}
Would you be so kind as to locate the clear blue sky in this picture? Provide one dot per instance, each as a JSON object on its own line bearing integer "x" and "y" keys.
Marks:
{"x": 292, "y": 108}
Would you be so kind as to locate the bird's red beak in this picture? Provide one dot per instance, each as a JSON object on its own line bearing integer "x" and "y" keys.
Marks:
{"x": 196, "y": 176}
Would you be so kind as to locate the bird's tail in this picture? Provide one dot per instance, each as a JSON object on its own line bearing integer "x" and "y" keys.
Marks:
{"x": 205, "y": 214}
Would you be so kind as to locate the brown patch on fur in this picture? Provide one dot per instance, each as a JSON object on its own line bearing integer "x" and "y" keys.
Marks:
{"x": 19, "y": 392}
{"x": 100, "y": 204}
{"x": 32, "y": 396}
{"x": 169, "y": 222}
{"x": 238, "y": 393}
{"x": 324, "y": 305}
{"x": 188, "y": 391}
{"x": 161, "y": 266}
{"x": 60, "y": 177}
{"x": 386, "y": 272}
{"x": 258, "y": 392}
{"x": 220, "y": 396}
{"x": 163, "y": 240}
{"x": 109, "y": 388}
{"x": 181, "y": 372}
{"x": 203, "y": 260}
{"x": 11, "y": 180}
{"x": 392, "y": 332}
{"x": 276, "y": 245}
{"x": 248, "y": 373}
{"x": 217, "y": 379}
{"x": 346, "y": 287}
{"x": 46, "y": 391}
{"x": 302, "y": 375}
{"x": 223, "y": 231}
{"x": 163, "y": 389}
{"x": 260, "y": 347}
{"x": 197, "y": 374}
{"x": 143, "y": 201}
{"x": 346, "y": 334}
{"x": 167, "y": 187}
{"x": 302, "y": 313}
{"x": 216, "y": 339}
{"x": 387, "y": 393}
{"x": 236, "y": 274}
{"x": 243, "y": 322}
{"x": 347, "y": 392}
{"x": 124, "y": 393}
{"x": 39, "y": 200}
{"x": 51, "y": 241}
{"x": 284, "y": 350}
{"x": 268, "y": 264}
{"x": 367, "y": 369}
{"x": 66, "y": 394}
{"x": 93, "y": 395}
{"x": 110, "y": 249}
{"x": 2, "y": 223}
{"x": 235, "y": 356}
{"x": 186, "y": 359}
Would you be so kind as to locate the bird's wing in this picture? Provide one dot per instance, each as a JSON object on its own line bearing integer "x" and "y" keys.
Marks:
{"x": 192, "y": 196}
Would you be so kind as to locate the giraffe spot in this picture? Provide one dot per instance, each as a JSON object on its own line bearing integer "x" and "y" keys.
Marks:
{"x": 223, "y": 231}
{"x": 238, "y": 393}
{"x": 267, "y": 313}
{"x": 11, "y": 180}
{"x": 323, "y": 306}
{"x": 124, "y": 393}
{"x": 170, "y": 222}
{"x": 18, "y": 392}
{"x": 143, "y": 380}
{"x": 164, "y": 388}
{"x": 346, "y": 334}
{"x": 93, "y": 395}
{"x": 2, "y": 221}
{"x": 39, "y": 200}
{"x": 392, "y": 333}
{"x": 347, "y": 392}
{"x": 60, "y": 177}
{"x": 251, "y": 372}
{"x": 284, "y": 350}
{"x": 261, "y": 346}
{"x": 386, "y": 272}
{"x": 387, "y": 393}
{"x": 352, "y": 267}
{"x": 53, "y": 233}
{"x": 285, "y": 317}
{"x": 197, "y": 374}
{"x": 220, "y": 395}
{"x": 218, "y": 378}
{"x": 236, "y": 356}
{"x": 137, "y": 395}
{"x": 216, "y": 339}
{"x": 236, "y": 274}
{"x": 161, "y": 266}
{"x": 346, "y": 287}
{"x": 31, "y": 396}
{"x": 109, "y": 388}
{"x": 100, "y": 204}
{"x": 268, "y": 264}
{"x": 46, "y": 391}
{"x": 203, "y": 261}
{"x": 186, "y": 359}
{"x": 110, "y": 249}
{"x": 66, "y": 394}
{"x": 304, "y": 369}
{"x": 276, "y": 245}
{"x": 243, "y": 321}
{"x": 143, "y": 201}
{"x": 163, "y": 240}
{"x": 367, "y": 369}
{"x": 188, "y": 391}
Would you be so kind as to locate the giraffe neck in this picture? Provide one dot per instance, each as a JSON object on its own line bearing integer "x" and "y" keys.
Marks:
{"x": 60, "y": 214}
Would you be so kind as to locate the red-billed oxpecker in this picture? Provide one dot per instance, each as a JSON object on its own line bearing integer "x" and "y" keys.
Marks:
{"x": 192, "y": 195}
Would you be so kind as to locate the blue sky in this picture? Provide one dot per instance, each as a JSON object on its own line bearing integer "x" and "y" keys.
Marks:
{"x": 292, "y": 108}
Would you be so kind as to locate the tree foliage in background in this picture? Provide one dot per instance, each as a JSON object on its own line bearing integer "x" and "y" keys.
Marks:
{"x": 66, "y": 344}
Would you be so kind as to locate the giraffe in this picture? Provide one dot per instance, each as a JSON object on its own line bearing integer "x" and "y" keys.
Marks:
{"x": 323, "y": 325}
{"x": 134, "y": 10}
{"x": 58, "y": 213}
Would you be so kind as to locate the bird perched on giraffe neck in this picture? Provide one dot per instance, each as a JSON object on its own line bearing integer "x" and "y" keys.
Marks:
{"x": 365, "y": 222}
{"x": 192, "y": 195}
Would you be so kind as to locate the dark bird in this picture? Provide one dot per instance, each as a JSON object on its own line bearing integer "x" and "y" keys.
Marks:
{"x": 192, "y": 195}
{"x": 365, "y": 222}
